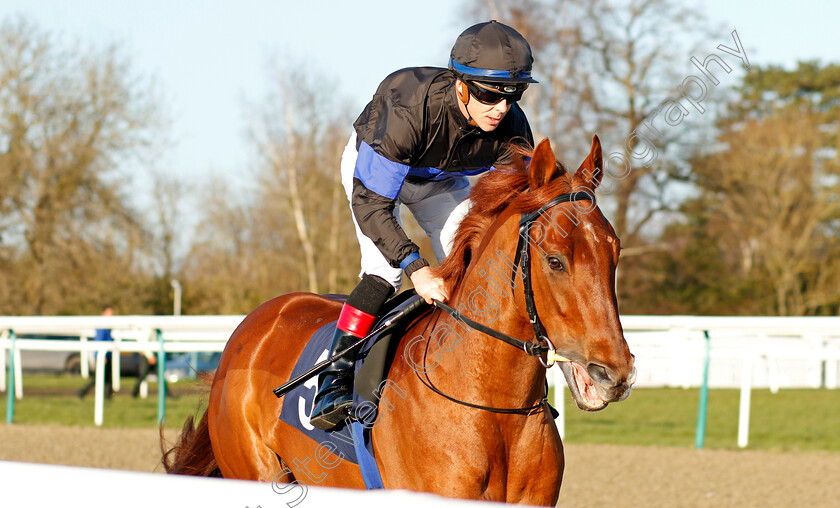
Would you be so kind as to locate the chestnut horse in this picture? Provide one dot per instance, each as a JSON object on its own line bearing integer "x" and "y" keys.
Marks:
{"x": 424, "y": 441}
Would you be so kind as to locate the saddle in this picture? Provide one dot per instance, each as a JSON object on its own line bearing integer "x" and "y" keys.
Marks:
{"x": 371, "y": 368}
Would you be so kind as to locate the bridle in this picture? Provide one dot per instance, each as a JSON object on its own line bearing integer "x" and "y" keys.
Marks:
{"x": 541, "y": 344}
{"x": 524, "y": 262}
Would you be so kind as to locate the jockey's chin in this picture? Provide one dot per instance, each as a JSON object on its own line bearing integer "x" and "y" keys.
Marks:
{"x": 488, "y": 117}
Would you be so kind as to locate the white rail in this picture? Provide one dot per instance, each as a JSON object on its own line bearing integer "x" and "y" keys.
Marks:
{"x": 745, "y": 353}
{"x": 27, "y": 484}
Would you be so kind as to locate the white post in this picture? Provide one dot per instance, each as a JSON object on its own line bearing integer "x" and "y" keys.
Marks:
{"x": 772, "y": 364}
{"x": 99, "y": 387}
{"x": 176, "y": 287}
{"x": 115, "y": 364}
{"x": 744, "y": 410}
{"x": 773, "y": 374}
{"x": 145, "y": 335}
{"x": 84, "y": 357}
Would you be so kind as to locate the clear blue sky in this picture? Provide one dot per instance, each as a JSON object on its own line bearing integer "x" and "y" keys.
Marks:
{"x": 210, "y": 56}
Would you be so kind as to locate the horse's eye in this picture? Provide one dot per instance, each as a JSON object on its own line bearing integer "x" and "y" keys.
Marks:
{"x": 555, "y": 263}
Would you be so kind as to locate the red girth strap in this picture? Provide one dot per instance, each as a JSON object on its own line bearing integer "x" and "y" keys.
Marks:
{"x": 354, "y": 321}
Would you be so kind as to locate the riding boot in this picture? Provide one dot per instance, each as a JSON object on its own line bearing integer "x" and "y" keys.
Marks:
{"x": 335, "y": 392}
{"x": 335, "y": 385}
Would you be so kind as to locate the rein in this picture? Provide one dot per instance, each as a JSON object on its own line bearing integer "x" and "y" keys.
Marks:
{"x": 530, "y": 347}
{"x": 533, "y": 347}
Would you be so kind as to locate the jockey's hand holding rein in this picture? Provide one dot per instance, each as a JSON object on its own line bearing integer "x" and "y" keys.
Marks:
{"x": 428, "y": 286}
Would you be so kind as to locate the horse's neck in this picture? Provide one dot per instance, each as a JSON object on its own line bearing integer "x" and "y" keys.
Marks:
{"x": 491, "y": 289}
{"x": 491, "y": 293}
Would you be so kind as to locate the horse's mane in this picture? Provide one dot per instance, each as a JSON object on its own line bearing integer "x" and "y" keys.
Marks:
{"x": 506, "y": 188}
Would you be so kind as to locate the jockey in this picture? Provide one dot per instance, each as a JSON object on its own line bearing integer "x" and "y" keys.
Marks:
{"x": 424, "y": 132}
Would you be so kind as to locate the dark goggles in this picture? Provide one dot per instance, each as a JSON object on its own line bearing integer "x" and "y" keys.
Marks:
{"x": 494, "y": 93}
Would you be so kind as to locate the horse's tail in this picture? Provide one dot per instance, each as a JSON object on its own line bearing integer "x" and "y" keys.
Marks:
{"x": 193, "y": 453}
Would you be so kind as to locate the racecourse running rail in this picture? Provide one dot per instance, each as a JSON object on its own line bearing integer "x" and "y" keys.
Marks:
{"x": 744, "y": 352}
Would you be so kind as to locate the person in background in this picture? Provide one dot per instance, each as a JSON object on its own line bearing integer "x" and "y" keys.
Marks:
{"x": 102, "y": 334}
{"x": 147, "y": 365}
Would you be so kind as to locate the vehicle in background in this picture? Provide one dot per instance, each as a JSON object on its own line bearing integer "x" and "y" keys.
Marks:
{"x": 129, "y": 364}
{"x": 187, "y": 365}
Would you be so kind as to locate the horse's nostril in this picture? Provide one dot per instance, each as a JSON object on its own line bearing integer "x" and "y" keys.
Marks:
{"x": 600, "y": 374}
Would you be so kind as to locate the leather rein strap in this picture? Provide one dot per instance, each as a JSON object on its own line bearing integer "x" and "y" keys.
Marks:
{"x": 533, "y": 349}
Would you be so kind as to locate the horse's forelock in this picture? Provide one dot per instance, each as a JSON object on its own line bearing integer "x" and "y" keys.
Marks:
{"x": 504, "y": 188}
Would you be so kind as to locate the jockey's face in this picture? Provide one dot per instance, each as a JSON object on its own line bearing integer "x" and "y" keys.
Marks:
{"x": 486, "y": 116}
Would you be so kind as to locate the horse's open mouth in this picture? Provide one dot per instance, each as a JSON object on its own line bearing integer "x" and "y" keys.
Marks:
{"x": 583, "y": 389}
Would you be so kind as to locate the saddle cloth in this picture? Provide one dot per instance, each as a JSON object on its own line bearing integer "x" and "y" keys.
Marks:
{"x": 372, "y": 365}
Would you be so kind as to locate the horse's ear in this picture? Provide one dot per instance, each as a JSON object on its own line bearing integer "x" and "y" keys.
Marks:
{"x": 543, "y": 165}
{"x": 590, "y": 172}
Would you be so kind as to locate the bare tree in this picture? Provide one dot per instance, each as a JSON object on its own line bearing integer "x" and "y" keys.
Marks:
{"x": 230, "y": 265}
{"x": 772, "y": 197}
{"x": 69, "y": 118}
{"x": 168, "y": 235}
{"x": 604, "y": 67}
{"x": 167, "y": 223}
{"x": 302, "y": 133}
{"x": 285, "y": 168}
{"x": 287, "y": 226}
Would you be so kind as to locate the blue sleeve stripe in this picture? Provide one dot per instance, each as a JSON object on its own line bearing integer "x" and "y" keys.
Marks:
{"x": 409, "y": 259}
{"x": 379, "y": 174}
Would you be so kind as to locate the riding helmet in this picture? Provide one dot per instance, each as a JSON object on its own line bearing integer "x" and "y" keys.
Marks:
{"x": 492, "y": 52}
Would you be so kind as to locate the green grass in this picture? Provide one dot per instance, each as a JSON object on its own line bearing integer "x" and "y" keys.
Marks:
{"x": 52, "y": 399}
{"x": 791, "y": 420}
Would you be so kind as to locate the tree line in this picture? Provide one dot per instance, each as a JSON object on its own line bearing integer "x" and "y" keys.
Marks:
{"x": 737, "y": 214}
